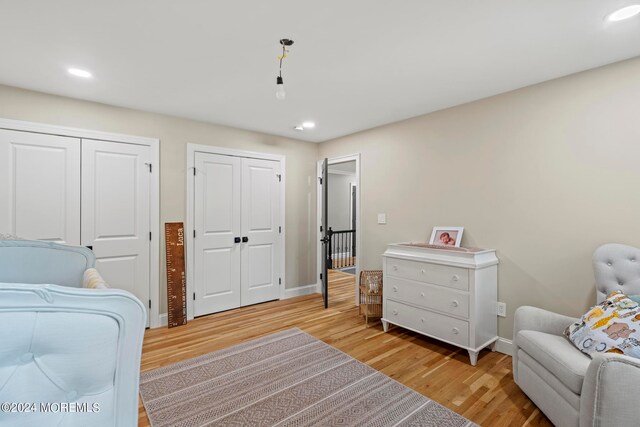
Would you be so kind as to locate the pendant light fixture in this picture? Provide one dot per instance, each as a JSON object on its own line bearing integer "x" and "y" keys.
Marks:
{"x": 280, "y": 93}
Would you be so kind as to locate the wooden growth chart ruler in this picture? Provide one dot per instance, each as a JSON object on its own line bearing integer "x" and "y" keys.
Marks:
{"x": 176, "y": 279}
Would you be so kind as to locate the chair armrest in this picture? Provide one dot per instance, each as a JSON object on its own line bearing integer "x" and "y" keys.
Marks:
{"x": 536, "y": 319}
{"x": 608, "y": 395}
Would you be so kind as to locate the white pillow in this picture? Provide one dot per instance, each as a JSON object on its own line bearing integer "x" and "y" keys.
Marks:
{"x": 93, "y": 280}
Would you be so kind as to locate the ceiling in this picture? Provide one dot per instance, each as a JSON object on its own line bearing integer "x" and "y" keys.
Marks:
{"x": 355, "y": 64}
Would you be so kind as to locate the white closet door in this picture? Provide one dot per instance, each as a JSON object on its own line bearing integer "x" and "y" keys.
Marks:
{"x": 40, "y": 186}
{"x": 115, "y": 212}
{"x": 217, "y": 224}
{"x": 260, "y": 225}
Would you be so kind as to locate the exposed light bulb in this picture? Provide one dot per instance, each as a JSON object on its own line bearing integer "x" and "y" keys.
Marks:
{"x": 624, "y": 13}
{"x": 280, "y": 93}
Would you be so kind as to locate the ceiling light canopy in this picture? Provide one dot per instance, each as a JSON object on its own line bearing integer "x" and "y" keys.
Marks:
{"x": 624, "y": 13}
{"x": 79, "y": 73}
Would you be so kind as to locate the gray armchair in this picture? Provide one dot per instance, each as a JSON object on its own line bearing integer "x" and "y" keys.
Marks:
{"x": 569, "y": 387}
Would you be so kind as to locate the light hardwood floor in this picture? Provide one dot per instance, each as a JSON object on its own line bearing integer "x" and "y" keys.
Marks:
{"x": 485, "y": 394}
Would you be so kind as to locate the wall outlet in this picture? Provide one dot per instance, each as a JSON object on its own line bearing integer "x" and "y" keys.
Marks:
{"x": 501, "y": 309}
{"x": 382, "y": 218}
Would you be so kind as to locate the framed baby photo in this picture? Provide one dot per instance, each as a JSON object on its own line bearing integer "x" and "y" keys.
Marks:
{"x": 446, "y": 236}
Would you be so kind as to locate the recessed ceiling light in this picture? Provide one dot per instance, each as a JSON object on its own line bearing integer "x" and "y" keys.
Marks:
{"x": 624, "y": 13}
{"x": 79, "y": 73}
{"x": 308, "y": 125}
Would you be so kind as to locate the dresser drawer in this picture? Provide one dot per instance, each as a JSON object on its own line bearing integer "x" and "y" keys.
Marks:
{"x": 443, "y": 275}
{"x": 438, "y": 298}
{"x": 437, "y": 325}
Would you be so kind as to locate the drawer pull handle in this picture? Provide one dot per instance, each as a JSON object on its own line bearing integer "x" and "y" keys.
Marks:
{"x": 395, "y": 312}
{"x": 456, "y": 331}
{"x": 422, "y": 294}
{"x": 422, "y": 320}
{"x": 454, "y": 303}
{"x": 395, "y": 268}
{"x": 422, "y": 271}
{"x": 455, "y": 277}
{"x": 395, "y": 289}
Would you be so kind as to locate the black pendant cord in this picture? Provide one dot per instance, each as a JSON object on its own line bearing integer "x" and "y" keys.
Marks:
{"x": 281, "y": 58}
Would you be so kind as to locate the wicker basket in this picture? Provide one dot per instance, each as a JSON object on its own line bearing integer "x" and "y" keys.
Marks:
{"x": 370, "y": 294}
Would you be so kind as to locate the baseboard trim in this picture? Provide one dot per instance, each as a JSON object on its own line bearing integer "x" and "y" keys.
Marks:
{"x": 300, "y": 291}
{"x": 163, "y": 320}
{"x": 504, "y": 346}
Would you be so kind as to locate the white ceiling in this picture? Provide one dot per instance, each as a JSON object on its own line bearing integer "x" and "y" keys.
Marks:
{"x": 355, "y": 64}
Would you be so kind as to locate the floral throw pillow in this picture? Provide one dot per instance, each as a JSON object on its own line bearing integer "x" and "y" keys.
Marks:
{"x": 613, "y": 326}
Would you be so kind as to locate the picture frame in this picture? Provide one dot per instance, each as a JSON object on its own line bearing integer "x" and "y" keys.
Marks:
{"x": 446, "y": 236}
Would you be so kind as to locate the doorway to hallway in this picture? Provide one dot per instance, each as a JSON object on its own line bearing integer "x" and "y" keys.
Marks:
{"x": 339, "y": 218}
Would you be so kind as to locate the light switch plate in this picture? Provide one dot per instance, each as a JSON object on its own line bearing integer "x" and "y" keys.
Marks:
{"x": 502, "y": 309}
{"x": 382, "y": 218}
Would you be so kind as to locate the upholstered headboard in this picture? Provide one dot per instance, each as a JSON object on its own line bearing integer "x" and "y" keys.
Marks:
{"x": 617, "y": 268}
{"x": 32, "y": 261}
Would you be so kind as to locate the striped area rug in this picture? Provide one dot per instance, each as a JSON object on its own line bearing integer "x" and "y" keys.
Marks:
{"x": 284, "y": 379}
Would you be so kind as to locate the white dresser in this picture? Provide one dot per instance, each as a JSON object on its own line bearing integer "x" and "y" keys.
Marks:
{"x": 445, "y": 294}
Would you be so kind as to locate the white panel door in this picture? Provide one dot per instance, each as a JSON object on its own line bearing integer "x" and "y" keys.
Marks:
{"x": 40, "y": 186}
{"x": 115, "y": 212}
{"x": 260, "y": 228}
{"x": 217, "y": 225}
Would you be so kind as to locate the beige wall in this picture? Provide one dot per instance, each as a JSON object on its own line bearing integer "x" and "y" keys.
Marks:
{"x": 543, "y": 174}
{"x": 174, "y": 134}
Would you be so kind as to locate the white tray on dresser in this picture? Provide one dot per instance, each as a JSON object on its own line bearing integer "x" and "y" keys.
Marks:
{"x": 447, "y": 294}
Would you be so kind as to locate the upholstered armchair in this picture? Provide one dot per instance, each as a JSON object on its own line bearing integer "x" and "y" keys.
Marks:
{"x": 569, "y": 387}
{"x": 74, "y": 349}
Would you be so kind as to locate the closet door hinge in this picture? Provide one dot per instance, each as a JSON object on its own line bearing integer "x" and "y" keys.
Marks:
{"x": 320, "y": 179}
{"x": 279, "y": 177}
{"x": 150, "y": 167}
{"x": 194, "y": 171}
{"x": 194, "y": 234}
{"x": 280, "y": 281}
{"x": 149, "y": 236}
{"x": 149, "y": 303}
{"x": 280, "y": 229}
{"x": 194, "y": 296}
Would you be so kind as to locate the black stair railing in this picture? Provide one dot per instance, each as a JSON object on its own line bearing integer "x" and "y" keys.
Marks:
{"x": 342, "y": 248}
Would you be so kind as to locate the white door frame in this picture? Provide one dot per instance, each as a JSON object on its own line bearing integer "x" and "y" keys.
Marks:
{"x": 190, "y": 219}
{"x": 332, "y": 161}
{"x": 154, "y": 201}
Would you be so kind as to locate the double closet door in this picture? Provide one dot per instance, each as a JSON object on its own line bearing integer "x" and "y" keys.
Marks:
{"x": 237, "y": 245}
{"x": 81, "y": 192}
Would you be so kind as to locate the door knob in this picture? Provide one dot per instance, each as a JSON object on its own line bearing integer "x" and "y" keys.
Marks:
{"x": 456, "y": 331}
{"x": 454, "y": 303}
{"x": 245, "y": 239}
{"x": 455, "y": 277}
{"x": 236, "y": 240}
